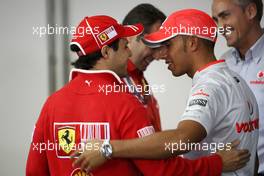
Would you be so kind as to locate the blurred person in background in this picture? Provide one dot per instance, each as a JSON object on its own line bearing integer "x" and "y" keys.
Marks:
{"x": 151, "y": 18}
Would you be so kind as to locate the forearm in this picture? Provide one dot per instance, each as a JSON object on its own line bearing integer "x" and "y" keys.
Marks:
{"x": 156, "y": 146}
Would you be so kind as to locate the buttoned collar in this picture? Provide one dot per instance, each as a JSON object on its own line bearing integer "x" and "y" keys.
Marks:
{"x": 254, "y": 53}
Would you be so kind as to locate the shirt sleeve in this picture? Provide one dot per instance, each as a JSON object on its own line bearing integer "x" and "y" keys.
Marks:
{"x": 136, "y": 125}
{"x": 202, "y": 106}
{"x": 37, "y": 163}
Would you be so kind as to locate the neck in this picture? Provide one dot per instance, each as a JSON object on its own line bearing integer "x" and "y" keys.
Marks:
{"x": 254, "y": 34}
{"x": 101, "y": 66}
{"x": 200, "y": 62}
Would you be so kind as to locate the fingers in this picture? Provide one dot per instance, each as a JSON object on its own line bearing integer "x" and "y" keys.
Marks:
{"x": 75, "y": 154}
{"x": 78, "y": 161}
{"x": 235, "y": 143}
{"x": 243, "y": 152}
{"x": 244, "y": 158}
{"x": 88, "y": 169}
{"x": 81, "y": 162}
{"x": 243, "y": 161}
{"x": 85, "y": 165}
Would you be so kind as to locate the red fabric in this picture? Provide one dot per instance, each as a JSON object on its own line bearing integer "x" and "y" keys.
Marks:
{"x": 96, "y": 31}
{"x": 184, "y": 22}
{"x": 210, "y": 64}
{"x": 78, "y": 103}
{"x": 151, "y": 102}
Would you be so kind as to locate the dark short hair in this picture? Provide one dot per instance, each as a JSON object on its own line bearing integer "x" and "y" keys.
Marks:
{"x": 87, "y": 62}
{"x": 258, "y": 3}
{"x": 146, "y": 14}
{"x": 209, "y": 45}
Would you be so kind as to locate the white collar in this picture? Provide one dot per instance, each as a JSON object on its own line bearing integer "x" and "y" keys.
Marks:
{"x": 74, "y": 70}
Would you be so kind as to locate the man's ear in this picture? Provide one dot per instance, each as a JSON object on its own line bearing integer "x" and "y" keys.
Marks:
{"x": 251, "y": 11}
{"x": 105, "y": 51}
{"x": 193, "y": 43}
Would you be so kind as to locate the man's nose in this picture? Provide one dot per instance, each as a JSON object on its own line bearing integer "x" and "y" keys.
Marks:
{"x": 221, "y": 24}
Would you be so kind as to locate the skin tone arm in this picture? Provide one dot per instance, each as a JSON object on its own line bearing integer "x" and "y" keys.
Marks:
{"x": 153, "y": 146}
{"x": 232, "y": 159}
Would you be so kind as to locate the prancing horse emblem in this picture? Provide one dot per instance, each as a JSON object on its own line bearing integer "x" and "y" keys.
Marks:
{"x": 66, "y": 136}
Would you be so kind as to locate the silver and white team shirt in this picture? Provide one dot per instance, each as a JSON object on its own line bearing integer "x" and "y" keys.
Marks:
{"x": 252, "y": 70}
{"x": 221, "y": 101}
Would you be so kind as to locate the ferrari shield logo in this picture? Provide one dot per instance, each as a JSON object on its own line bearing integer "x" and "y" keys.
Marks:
{"x": 70, "y": 136}
{"x": 66, "y": 136}
{"x": 103, "y": 37}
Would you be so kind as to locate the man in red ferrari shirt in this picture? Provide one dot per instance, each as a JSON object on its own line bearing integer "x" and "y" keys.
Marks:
{"x": 91, "y": 106}
{"x": 151, "y": 18}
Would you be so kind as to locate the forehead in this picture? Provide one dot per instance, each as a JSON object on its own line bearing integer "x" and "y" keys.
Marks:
{"x": 219, "y": 6}
{"x": 175, "y": 40}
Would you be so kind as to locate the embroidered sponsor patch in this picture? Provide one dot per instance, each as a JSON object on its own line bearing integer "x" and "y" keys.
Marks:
{"x": 107, "y": 35}
{"x": 200, "y": 92}
{"x": 66, "y": 137}
{"x": 200, "y": 102}
{"x": 72, "y": 136}
{"x": 148, "y": 130}
{"x": 261, "y": 74}
{"x": 260, "y": 78}
{"x": 247, "y": 127}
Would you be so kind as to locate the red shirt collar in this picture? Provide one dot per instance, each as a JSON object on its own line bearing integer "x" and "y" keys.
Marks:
{"x": 109, "y": 75}
{"x": 210, "y": 64}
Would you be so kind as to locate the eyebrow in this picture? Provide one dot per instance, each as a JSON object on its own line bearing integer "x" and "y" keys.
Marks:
{"x": 221, "y": 14}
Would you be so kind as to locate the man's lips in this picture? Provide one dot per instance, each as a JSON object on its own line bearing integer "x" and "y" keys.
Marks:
{"x": 169, "y": 63}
